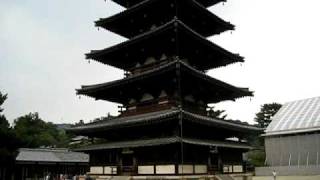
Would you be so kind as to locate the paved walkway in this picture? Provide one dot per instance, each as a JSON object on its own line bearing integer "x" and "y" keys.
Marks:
{"x": 224, "y": 177}
{"x": 287, "y": 178}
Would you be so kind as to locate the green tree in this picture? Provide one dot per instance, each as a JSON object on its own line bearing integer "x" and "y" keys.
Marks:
{"x": 9, "y": 142}
{"x": 3, "y": 98}
{"x": 257, "y": 157}
{"x": 263, "y": 119}
{"x": 4, "y": 129}
{"x": 219, "y": 114}
{"x": 267, "y": 111}
{"x": 4, "y": 124}
{"x": 37, "y": 133}
{"x": 7, "y": 138}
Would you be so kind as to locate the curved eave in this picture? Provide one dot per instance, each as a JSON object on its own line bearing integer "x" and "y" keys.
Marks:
{"x": 90, "y": 90}
{"x": 161, "y": 116}
{"x": 203, "y": 40}
{"x": 241, "y": 92}
{"x": 127, "y": 4}
{"x": 161, "y": 142}
{"x": 207, "y": 81}
{"x": 208, "y": 3}
{"x": 213, "y": 54}
{"x": 123, "y": 122}
{"x": 221, "y": 123}
{"x": 118, "y": 23}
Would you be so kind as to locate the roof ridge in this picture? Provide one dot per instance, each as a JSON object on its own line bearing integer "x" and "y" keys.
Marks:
{"x": 130, "y": 77}
{"x": 97, "y": 54}
{"x": 97, "y": 87}
{"x": 292, "y": 101}
{"x": 164, "y": 115}
{"x": 207, "y": 4}
{"x": 45, "y": 149}
{"x": 213, "y": 78}
{"x": 158, "y": 29}
{"x": 223, "y": 121}
{"x": 137, "y": 117}
{"x": 143, "y": 4}
{"x": 297, "y": 116}
{"x": 163, "y": 141}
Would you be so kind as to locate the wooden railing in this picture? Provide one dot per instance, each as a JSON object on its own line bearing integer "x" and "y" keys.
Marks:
{"x": 161, "y": 104}
{"x": 147, "y": 108}
{"x": 147, "y": 67}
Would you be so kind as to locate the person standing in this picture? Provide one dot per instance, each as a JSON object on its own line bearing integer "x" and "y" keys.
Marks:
{"x": 274, "y": 174}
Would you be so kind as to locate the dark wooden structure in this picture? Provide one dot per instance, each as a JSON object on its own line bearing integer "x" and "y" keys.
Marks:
{"x": 164, "y": 126}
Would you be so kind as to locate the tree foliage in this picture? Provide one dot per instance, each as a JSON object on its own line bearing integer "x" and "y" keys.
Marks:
{"x": 267, "y": 111}
{"x": 263, "y": 118}
{"x": 2, "y": 99}
{"x": 37, "y": 133}
{"x": 9, "y": 142}
{"x": 4, "y": 124}
{"x": 219, "y": 114}
{"x": 257, "y": 157}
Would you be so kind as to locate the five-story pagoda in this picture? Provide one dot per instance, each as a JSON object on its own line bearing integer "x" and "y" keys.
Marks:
{"x": 164, "y": 127}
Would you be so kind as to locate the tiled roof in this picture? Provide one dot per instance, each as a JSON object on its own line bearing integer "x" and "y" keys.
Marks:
{"x": 163, "y": 141}
{"x": 227, "y": 124}
{"x": 129, "y": 144}
{"x": 117, "y": 23}
{"x": 210, "y": 51}
{"x": 237, "y": 92}
{"x": 130, "y": 3}
{"x": 159, "y": 116}
{"x": 296, "y": 117}
{"x": 152, "y": 117}
{"x": 51, "y": 155}
{"x": 128, "y": 79}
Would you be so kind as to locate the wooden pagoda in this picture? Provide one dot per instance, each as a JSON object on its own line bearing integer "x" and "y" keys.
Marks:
{"x": 164, "y": 127}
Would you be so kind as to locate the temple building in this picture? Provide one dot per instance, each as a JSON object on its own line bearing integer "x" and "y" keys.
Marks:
{"x": 39, "y": 162}
{"x": 164, "y": 127}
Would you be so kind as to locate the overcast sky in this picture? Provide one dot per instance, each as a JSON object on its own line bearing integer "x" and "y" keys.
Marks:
{"x": 42, "y": 46}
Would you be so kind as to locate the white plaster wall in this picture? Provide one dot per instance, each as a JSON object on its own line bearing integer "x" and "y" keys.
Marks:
{"x": 227, "y": 168}
{"x": 200, "y": 169}
{"x": 145, "y": 169}
{"x": 165, "y": 169}
{"x": 187, "y": 169}
{"x": 96, "y": 170}
{"x": 237, "y": 169}
{"x": 110, "y": 170}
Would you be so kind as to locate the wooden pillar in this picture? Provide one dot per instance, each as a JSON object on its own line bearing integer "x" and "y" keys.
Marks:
{"x": 220, "y": 163}
{"x": 22, "y": 173}
{"x": 134, "y": 162}
{"x": 176, "y": 170}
